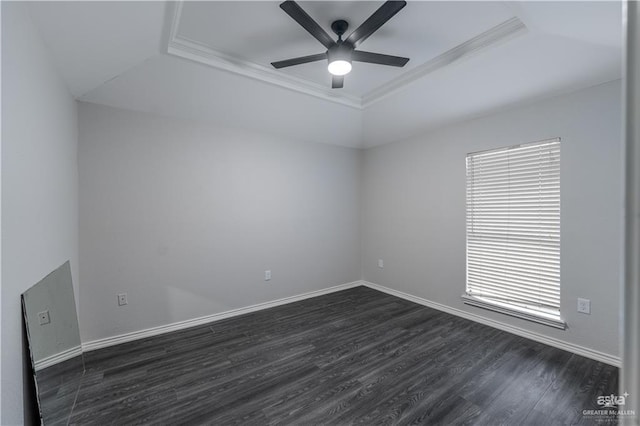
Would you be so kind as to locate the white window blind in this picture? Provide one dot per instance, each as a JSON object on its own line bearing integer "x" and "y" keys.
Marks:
{"x": 513, "y": 230}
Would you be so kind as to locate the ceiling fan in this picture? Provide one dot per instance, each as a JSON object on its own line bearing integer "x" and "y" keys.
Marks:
{"x": 340, "y": 53}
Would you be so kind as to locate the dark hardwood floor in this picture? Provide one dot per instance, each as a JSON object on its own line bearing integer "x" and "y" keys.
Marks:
{"x": 57, "y": 390}
{"x": 353, "y": 357}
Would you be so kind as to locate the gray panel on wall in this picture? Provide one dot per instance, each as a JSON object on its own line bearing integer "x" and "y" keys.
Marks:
{"x": 49, "y": 310}
{"x": 53, "y": 295}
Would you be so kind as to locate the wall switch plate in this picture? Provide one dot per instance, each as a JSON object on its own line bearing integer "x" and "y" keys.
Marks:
{"x": 122, "y": 299}
{"x": 267, "y": 275}
{"x": 380, "y": 263}
{"x": 44, "y": 318}
{"x": 584, "y": 305}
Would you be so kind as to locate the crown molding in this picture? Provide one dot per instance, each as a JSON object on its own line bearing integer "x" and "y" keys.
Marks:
{"x": 193, "y": 50}
{"x": 490, "y": 38}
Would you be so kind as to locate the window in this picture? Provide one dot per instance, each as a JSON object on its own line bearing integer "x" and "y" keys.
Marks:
{"x": 513, "y": 231}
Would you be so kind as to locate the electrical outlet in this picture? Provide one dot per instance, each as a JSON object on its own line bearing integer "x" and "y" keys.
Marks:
{"x": 584, "y": 305}
{"x": 267, "y": 275}
{"x": 122, "y": 299}
{"x": 380, "y": 263}
{"x": 44, "y": 318}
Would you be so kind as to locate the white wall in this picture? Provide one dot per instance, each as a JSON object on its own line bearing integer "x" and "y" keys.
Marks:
{"x": 39, "y": 185}
{"x": 185, "y": 218}
{"x": 414, "y": 209}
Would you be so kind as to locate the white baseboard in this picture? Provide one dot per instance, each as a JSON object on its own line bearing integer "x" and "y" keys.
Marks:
{"x": 181, "y": 325}
{"x": 57, "y": 358}
{"x": 570, "y": 347}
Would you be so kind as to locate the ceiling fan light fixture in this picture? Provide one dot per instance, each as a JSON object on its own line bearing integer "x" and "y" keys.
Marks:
{"x": 339, "y": 67}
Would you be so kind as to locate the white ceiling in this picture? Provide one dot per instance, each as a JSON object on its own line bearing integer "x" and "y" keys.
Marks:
{"x": 465, "y": 61}
{"x": 93, "y": 42}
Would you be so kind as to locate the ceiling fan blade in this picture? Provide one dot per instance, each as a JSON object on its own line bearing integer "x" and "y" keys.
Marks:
{"x": 300, "y": 60}
{"x": 337, "y": 81}
{"x": 375, "y": 21}
{"x": 292, "y": 9}
{"x": 378, "y": 58}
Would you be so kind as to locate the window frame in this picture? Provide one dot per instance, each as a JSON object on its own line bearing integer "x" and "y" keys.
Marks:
{"x": 546, "y": 316}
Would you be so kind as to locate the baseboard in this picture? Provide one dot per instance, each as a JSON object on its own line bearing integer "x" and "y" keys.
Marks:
{"x": 57, "y": 358}
{"x": 181, "y": 325}
{"x": 570, "y": 347}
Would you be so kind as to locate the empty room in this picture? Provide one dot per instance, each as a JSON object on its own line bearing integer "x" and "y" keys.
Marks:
{"x": 320, "y": 212}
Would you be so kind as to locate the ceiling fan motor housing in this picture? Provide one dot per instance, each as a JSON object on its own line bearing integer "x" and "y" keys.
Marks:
{"x": 339, "y": 27}
{"x": 340, "y": 52}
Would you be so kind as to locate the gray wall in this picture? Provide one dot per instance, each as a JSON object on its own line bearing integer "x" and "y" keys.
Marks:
{"x": 55, "y": 295}
{"x": 39, "y": 185}
{"x": 630, "y": 379}
{"x": 414, "y": 209}
{"x": 185, "y": 218}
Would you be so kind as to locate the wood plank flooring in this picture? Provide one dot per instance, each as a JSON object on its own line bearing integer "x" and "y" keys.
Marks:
{"x": 353, "y": 357}
{"x": 57, "y": 389}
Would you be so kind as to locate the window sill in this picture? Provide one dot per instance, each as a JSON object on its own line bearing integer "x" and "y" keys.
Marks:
{"x": 523, "y": 313}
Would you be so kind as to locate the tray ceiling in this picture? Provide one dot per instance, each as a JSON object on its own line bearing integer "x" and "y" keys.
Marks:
{"x": 209, "y": 61}
{"x": 245, "y": 37}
